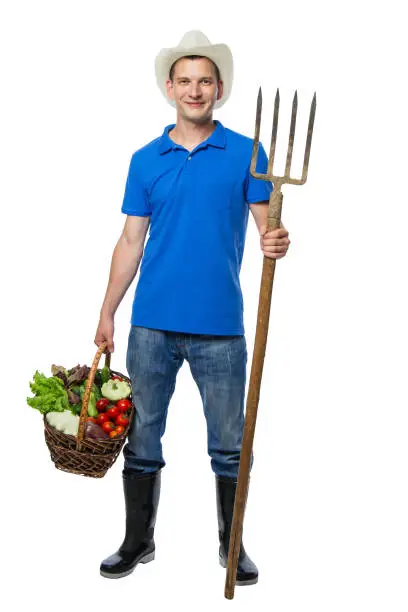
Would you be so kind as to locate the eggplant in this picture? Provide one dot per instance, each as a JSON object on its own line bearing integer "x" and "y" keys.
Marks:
{"x": 93, "y": 431}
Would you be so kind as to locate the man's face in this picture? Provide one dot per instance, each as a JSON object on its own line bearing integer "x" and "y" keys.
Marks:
{"x": 194, "y": 89}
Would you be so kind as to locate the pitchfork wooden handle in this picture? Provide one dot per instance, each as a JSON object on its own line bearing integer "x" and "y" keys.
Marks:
{"x": 275, "y": 210}
{"x": 265, "y": 295}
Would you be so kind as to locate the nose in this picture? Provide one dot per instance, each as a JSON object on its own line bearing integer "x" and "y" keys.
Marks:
{"x": 195, "y": 90}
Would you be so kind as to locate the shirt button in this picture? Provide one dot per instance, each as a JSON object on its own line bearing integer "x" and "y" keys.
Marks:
{"x": 189, "y": 157}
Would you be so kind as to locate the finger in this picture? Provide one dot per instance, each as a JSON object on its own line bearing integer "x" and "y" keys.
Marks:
{"x": 276, "y": 241}
{"x": 274, "y": 255}
{"x": 276, "y": 233}
{"x": 274, "y": 249}
{"x": 98, "y": 341}
{"x": 269, "y": 256}
{"x": 271, "y": 236}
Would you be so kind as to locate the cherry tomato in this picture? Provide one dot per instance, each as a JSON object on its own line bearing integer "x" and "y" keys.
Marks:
{"x": 113, "y": 412}
{"x": 114, "y": 433}
{"x": 102, "y": 404}
{"x": 123, "y": 404}
{"x": 108, "y": 426}
{"x": 102, "y": 418}
{"x": 92, "y": 419}
{"x": 120, "y": 429}
{"x": 122, "y": 420}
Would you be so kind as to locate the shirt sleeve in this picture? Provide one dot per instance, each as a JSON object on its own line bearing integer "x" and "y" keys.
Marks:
{"x": 135, "y": 200}
{"x": 257, "y": 190}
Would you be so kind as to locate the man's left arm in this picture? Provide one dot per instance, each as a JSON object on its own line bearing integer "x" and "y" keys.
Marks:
{"x": 275, "y": 243}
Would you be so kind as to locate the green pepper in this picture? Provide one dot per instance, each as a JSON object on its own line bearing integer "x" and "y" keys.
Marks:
{"x": 92, "y": 411}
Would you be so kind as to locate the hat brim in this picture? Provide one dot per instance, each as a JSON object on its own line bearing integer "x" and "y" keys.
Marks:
{"x": 220, "y": 54}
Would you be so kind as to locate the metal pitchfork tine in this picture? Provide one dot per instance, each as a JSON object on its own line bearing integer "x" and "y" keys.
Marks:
{"x": 265, "y": 295}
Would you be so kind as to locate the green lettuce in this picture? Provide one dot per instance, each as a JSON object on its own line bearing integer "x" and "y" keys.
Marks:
{"x": 49, "y": 394}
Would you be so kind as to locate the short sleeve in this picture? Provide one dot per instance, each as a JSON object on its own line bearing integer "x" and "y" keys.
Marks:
{"x": 257, "y": 190}
{"x": 135, "y": 201}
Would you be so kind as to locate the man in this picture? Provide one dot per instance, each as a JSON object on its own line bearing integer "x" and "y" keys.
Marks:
{"x": 193, "y": 187}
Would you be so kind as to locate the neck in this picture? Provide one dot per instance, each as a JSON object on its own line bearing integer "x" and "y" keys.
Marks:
{"x": 189, "y": 134}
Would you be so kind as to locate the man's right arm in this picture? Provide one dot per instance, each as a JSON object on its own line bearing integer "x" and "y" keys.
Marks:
{"x": 125, "y": 264}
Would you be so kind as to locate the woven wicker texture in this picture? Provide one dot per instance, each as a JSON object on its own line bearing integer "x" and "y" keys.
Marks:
{"x": 81, "y": 455}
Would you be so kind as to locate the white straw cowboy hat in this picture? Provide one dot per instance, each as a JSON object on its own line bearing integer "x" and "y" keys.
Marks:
{"x": 196, "y": 43}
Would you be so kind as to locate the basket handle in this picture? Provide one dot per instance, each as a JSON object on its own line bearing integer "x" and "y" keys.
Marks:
{"x": 87, "y": 394}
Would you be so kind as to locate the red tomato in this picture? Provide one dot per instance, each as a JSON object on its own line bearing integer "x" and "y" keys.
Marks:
{"x": 108, "y": 426}
{"x": 114, "y": 433}
{"x": 122, "y": 420}
{"x": 92, "y": 419}
{"x": 123, "y": 404}
{"x": 120, "y": 429}
{"x": 113, "y": 412}
{"x": 102, "y": 404}
{"x": 102, "y": 418}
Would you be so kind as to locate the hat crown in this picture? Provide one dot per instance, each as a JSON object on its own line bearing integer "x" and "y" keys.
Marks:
{"x": 194, "y": 38}
{"x": 195, "y": 42}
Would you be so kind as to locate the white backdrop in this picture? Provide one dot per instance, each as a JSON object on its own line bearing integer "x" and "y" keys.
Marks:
{"x": 326, "y": 519}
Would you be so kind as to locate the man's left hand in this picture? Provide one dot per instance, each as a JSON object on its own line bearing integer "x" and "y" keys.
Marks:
{"x": 275, "y": 243}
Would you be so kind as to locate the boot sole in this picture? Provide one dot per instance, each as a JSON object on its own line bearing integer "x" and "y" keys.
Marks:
{"x": 145, "y": 559}
{"x": 239, "y": 582}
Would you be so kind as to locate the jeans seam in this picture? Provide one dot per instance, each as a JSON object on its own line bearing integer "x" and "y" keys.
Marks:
{"x": 169, "y": 395}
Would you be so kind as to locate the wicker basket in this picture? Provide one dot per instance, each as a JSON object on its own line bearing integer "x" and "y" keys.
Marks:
{"x": 81, "y": 455}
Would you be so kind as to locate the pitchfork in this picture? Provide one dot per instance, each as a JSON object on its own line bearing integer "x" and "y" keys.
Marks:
{"x": 268, "y": 272}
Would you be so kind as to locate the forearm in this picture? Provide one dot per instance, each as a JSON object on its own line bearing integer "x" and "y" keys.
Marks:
{"x": 125, "y": 263}
{"x": 260, "y": 214}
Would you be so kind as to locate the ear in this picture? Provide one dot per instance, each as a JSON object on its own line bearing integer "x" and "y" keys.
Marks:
{"x": 220, "y": 90}
{"x": 169, "y": 88}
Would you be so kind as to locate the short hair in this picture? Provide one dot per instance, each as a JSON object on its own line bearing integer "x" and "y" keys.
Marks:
{"x": 171, "y": 74}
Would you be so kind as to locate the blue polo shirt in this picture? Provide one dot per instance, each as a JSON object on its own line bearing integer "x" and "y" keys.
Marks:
{"x": 198, "y": 207}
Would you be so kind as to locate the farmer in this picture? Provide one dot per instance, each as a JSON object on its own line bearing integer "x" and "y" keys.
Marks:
{"x": 192, "y": 186}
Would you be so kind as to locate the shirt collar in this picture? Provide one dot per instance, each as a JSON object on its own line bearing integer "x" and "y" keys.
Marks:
{"x": 217, "y": 139}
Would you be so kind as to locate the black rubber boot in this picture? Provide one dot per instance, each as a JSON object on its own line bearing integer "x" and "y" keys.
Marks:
{"x": 142, "y": 492}
{"x": 247, "y": 572}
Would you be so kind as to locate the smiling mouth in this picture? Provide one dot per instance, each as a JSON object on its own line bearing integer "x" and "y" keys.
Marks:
{"x": 194, "y": 103}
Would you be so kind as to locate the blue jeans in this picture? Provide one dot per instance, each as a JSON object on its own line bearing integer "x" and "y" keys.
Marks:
{"x": 218, "y": 366}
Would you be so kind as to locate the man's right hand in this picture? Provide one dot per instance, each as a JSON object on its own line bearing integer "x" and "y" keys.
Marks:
{"x": 105, "y": 332}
